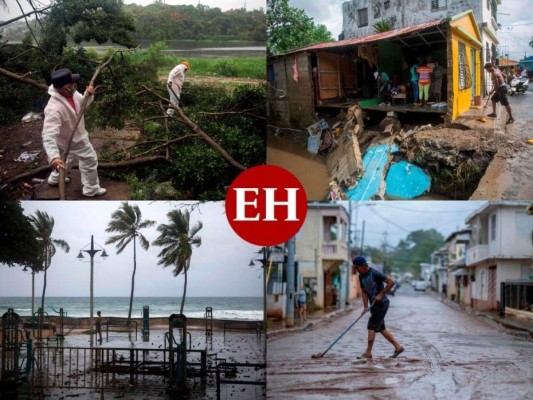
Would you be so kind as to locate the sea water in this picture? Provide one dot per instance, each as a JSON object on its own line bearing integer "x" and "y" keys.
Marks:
{"x": 231, "y": 308}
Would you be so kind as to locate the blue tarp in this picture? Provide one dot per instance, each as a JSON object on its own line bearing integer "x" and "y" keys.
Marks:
{"x": 374, "y": 163}
{"x": 406, "y": 181}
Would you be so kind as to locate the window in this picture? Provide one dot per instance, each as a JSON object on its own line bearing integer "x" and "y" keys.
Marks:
{"x": 493, "y": 227}
{"x": 362, "y": 17}
{"x": 386, "y": 4}
{"x": 438, "y": 4}
{"x": 465, "y": 78}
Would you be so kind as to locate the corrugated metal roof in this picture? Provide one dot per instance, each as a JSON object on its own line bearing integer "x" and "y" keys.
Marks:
{"x": 372, "y": 38}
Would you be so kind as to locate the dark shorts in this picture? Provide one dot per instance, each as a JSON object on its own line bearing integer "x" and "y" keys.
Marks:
{"x": 301, "y": 304}
{"x": 501, "y": 96}
{"x": 376, "y": 322}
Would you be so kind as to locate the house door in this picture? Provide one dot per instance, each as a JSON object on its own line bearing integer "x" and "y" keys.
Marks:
{"x": 493, "y": 305}
{"x": 474, "y": 75}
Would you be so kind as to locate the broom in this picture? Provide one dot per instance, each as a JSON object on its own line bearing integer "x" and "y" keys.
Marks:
{"x": 482, "y": 118}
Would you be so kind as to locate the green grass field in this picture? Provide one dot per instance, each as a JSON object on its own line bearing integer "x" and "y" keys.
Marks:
{"x": 244, "y": 67}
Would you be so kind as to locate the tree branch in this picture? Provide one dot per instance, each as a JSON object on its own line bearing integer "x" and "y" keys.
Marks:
{"x": 23, "y": 79}
{"x": 183, "y": 118}
{"x": 4, "y": 23}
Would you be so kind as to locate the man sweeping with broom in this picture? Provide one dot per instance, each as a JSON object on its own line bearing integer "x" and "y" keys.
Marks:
{"x": 375, "y": 285}
{"x": 500, "y": 89}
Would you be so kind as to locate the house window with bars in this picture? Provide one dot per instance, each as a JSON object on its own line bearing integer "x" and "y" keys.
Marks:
{"x": 362, "y": 17}
{"x": 438, "y": 4}
{"x": 465, "y": 79}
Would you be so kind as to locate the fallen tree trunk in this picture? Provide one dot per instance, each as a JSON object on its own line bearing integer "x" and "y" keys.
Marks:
{"x": 135, "y": 162}
{"x": 196, "y": 129}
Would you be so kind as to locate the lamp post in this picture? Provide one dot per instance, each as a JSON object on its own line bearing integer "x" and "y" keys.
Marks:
{"x": 32, "y": 288}
{"x": 92, "y": 252}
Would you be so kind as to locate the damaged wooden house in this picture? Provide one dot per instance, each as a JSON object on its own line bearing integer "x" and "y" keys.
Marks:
{"x": 331, "y": 78}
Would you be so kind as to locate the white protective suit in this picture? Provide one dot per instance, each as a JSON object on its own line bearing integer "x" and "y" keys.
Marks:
{"x": 59, "y": 121}
{"x": 176, "y": 77}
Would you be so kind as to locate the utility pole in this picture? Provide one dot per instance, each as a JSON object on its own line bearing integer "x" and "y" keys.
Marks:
{"x": 362, "y": 238}
{"x": 289, "y": 320}
{"x": 348, "y": 270}
{"x": 384, "y": 246}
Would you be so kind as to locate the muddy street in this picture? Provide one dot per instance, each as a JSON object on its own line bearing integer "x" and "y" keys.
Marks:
{"x": 510, "y": 173}
{"x": 448, "y": 354}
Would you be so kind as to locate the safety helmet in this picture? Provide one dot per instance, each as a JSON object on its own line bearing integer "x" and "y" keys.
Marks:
{"x": 186, "y": 63}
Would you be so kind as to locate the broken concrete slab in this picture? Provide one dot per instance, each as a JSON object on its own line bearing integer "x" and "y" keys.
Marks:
{"x": 375, "y": 163}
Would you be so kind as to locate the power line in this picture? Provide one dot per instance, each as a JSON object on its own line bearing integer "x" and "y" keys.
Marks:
{"x": 429, "y": 211}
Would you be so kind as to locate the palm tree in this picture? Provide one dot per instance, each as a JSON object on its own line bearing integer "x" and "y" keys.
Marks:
{"x": 382, "y": 26}
{"x": 177, "y": 239}
{"x": 44, "y": 226}
{"x": 127, "y": 223}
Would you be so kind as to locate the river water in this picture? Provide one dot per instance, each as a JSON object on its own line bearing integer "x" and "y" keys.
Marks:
{"x": 201, "y": 49}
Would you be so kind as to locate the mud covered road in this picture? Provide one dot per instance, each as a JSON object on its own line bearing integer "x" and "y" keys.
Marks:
{"x": 448, "y": 355}
{"x": 510, "y": 174}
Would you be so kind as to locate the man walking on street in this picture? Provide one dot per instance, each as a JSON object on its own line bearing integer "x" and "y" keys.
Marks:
{"x": 175, "y": 80}
{"x": 500, "y": 89}
{"x": 60, "y": 115}
{"x": 374, "y": 285}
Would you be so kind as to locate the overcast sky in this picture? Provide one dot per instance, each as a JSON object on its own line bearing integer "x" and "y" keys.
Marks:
{"x": 398, "y": 218}
{"x": 516, "y": 32}
{"x": 219, "y": 267}
{"x": 14, "y": 10}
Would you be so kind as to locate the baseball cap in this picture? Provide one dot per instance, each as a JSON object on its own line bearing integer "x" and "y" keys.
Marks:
{"x": 359, "y": 260}
{"x": 63, "y": 76}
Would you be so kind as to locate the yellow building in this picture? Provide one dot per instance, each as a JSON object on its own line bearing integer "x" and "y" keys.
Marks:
{"x": 464, "y": 61}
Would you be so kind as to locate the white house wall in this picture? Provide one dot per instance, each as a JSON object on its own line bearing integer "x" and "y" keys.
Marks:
{"x": 513, "y": 234}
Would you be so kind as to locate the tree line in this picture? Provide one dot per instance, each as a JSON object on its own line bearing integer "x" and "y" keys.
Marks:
{"x": 156, "y": 21}
{"x": 160, "y": 21}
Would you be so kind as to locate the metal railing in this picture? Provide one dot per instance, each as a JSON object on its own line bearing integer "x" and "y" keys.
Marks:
{"x": 240, "y": 374}
{"x": 516, "y": 295}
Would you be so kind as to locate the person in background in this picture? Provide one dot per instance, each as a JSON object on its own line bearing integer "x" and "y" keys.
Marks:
{"x": 414, "y": 82}
{"x": 384, "y": 84}
{"x": 375, "y": 285}
{"x": 60, "y": 115}
{"x": 175, "y": 80}
{"x": 301, "y": 303}
{"x": 99, "y": 325}
{"x": 436, "y": 80}
{"x": 500, "y": 92}
{"x": 424, "y": 80}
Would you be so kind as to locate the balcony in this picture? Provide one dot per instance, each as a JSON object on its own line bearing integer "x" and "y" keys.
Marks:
{"x": 477, "y": 253}
{"x": 334, "y": 251}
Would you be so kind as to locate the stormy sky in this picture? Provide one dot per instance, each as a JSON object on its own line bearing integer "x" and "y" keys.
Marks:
{"x": 515, "y": 16}
{"x": 219, "y": 267}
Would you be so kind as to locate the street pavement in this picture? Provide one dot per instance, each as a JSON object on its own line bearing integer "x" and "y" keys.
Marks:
{"x": 449, "y": 354}
{"x": 509, "y": 175}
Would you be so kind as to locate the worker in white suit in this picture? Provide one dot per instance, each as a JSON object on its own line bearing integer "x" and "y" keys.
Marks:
{"x": 60, "y": 115}
{"x": 175, "y": 80}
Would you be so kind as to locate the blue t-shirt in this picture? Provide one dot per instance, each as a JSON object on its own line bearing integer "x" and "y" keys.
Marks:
{"x": 414, "y": 75}
{"x": 372, "y": 283}
{"x": 301, "y": 296}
